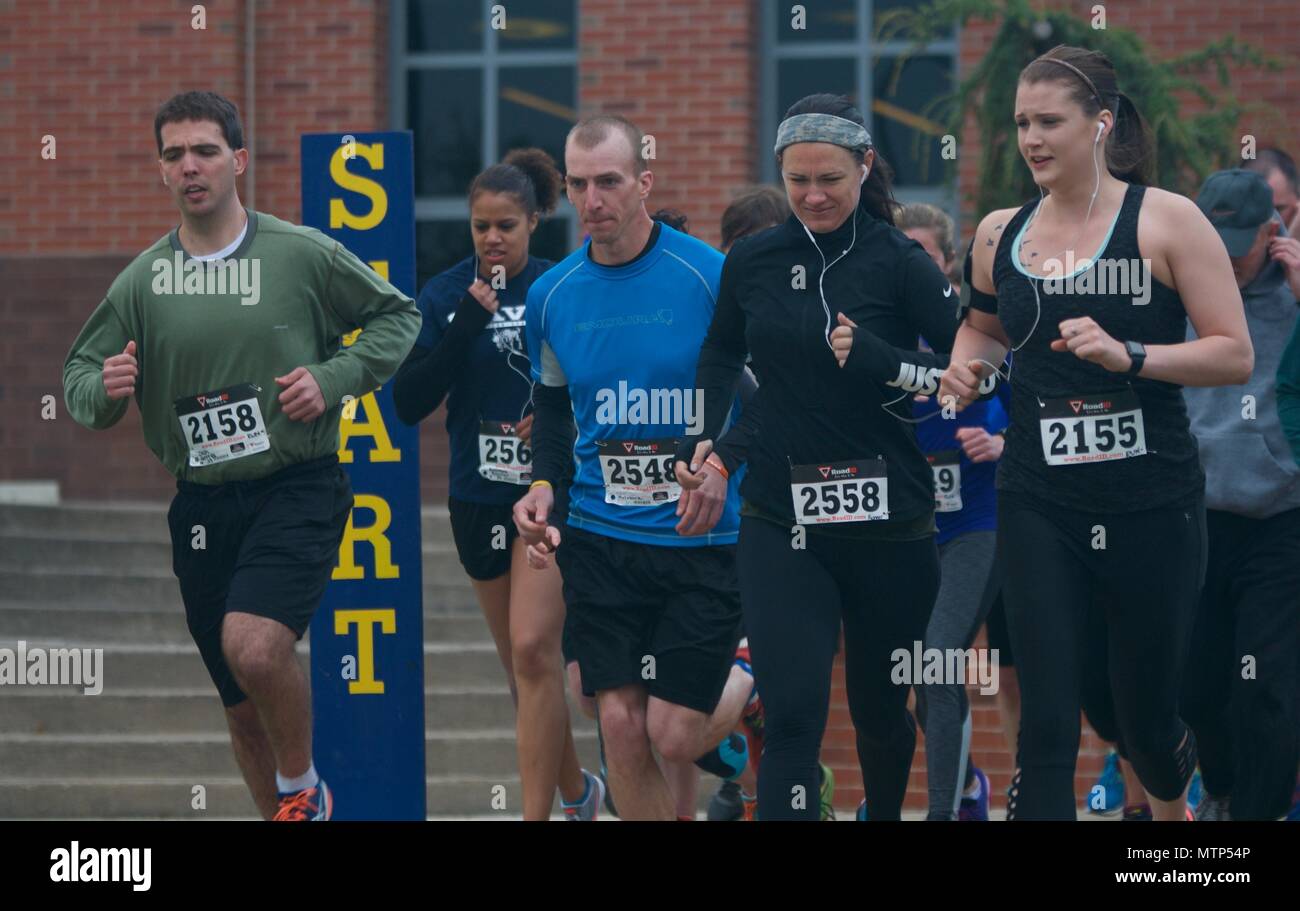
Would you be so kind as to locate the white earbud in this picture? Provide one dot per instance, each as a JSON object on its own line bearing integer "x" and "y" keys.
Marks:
{"x": 1101, "y": 125}
{"x": 865, "y": 174}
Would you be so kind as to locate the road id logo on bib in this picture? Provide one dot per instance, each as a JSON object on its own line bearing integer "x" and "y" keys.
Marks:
{"x": 1092, "y": 428}
{"x": 502, "y": 456}
{"x": 829, "y": 492}
{"x": 222, "y": 426}
{"x": 946, "y": 466}
{"x": 639, "y": 472}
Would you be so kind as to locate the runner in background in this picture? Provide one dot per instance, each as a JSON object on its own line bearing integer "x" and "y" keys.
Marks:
{"x": 1244, "y": 701}
{"x": 471, "y": 352}
{"x": 963, "y": 454}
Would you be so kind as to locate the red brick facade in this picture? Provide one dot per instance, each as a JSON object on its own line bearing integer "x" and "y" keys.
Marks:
{"x": 92, "y": 73}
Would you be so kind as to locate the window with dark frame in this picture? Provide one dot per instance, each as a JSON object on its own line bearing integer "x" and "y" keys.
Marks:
{"x": 470, "y": 91}
{"x": 834, "y": 52}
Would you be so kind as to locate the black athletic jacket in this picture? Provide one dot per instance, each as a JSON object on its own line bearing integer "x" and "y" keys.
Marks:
{"x": 809, "y": 410}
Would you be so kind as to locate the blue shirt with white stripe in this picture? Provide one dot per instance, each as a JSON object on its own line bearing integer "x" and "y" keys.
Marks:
{"x": 625, "y": 340}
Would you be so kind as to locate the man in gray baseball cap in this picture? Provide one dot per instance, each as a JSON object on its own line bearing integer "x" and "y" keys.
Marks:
{"x": 1239, "y": 204}
{"x": 1241, "y": 700}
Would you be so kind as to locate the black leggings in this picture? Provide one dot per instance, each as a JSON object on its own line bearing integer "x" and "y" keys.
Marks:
{"x": 1144, "y": 581}
{"x": 794, "y": 602}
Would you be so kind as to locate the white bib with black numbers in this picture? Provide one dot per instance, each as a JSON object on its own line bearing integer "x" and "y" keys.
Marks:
{"x": 222, "y": 426}
{"x": 1092, "y": 428}
{"x": 502, "y": 456}
{"x": 855, "y": 491}
{"x": 946, "y": 466}
{"x": 639, "y": 472}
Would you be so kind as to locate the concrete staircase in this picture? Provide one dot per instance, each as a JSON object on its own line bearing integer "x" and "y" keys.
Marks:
{"x": 99, "y": 576}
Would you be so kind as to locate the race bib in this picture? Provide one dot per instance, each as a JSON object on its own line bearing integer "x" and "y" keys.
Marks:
{"x": 502, "y": 456}
{"x": 222, "y": 426}
{"x": 639, "y": 472}
{"x": 946, "y": 466}
{"x": 1092, "y": 428}
{"x": 839, "y": 492}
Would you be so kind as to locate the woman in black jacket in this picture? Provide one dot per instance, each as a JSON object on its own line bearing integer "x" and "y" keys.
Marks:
{"x": 838, "y": 513}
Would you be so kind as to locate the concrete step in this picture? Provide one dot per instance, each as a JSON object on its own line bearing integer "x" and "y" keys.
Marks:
{"x": 104, "y": 552}
{"x": 166, "y": 624}
{"x": 453, "y": 796}
{"x": 188, "y": 712}
{"x": 144, "y": 521}
{"x": 156, "y": 587}
{"x": 489, "y": 753}
{"x": 135, "y": 667}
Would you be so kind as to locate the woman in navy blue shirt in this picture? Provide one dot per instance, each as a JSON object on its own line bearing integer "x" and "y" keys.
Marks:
{"x": 471, "y": 352}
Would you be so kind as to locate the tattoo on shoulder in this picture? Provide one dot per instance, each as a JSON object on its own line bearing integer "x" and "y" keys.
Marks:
{"x": 989, "y": 242}
{"x": 999, "y": 227}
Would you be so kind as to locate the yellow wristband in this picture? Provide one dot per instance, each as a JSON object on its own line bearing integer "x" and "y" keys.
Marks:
{"x": 540, "y": 481}
{"x": 716, "y": 462}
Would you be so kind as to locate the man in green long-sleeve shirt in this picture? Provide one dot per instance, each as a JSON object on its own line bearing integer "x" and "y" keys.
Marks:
{"x": 227, "y": 333}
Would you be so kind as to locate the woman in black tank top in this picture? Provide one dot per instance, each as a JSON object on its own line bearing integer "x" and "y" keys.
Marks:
{"x": 1100, "y": 490}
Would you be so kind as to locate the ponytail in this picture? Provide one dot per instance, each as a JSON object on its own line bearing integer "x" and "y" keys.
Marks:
{"x": 877, "y": 198}
{"x": 1130, "y": 150}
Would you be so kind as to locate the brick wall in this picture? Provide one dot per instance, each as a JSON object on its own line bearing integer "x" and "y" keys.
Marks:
{"x": 685, "y": 72}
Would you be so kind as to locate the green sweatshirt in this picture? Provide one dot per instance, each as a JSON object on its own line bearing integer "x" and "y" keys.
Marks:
{"x": 202, "y": 328}
{"x": 1288, "y": 391}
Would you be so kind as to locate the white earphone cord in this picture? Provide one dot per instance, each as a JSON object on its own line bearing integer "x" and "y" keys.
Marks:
{"x": 1038, "y": 307}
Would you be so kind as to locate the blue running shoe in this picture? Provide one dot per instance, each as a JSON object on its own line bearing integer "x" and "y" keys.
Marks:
{"x": 586, "y": 808}
{"x": 1194, "y": 791}
{"x": 1107, "y": 795}
{"x": 976, "y": 809}
{"x": 862, "y": 811}
{"x": 1294, "y": 815}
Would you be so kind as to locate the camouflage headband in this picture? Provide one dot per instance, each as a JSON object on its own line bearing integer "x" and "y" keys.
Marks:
{"x": 821, "y": 128}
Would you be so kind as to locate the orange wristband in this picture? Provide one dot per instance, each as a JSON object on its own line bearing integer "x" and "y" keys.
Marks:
{"x": 716, "y": 462}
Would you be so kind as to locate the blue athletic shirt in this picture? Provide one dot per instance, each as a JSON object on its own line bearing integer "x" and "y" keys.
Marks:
{"x": 936, "y": 435}
{"x": 495, "y": 384}
{"x": 613, "y": 334}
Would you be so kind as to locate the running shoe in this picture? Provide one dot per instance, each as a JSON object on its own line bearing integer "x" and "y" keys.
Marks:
{"x": 1212, "y": 809}
{"x": 827, "y": 793}
{"x": 1139, "y": 813}
{"x": 861, "y": 815}
{"x": 751, "y": 807}
{"x": 1294, "y": 815}
{"x": 314, "y": 804}
{"x": 1195, "y": 791}
{"x": 726, "y": 805}
{"x": 976, "y": 809}
{"x": 1109, "y": 788}
{"x": 585, "y": 810}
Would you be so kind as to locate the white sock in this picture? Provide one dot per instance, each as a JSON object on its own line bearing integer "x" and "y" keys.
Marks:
{"x": 308, "y": 779}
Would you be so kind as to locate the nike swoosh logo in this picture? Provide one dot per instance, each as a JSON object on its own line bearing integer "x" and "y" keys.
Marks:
{"x": 948, "y": 291}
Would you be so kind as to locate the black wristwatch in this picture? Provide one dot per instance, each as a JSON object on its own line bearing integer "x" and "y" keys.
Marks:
{"x": 1138, "y": 353}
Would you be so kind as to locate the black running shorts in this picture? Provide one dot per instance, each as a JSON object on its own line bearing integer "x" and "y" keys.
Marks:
{"x": 268, "y": 548}
{"x": 666, "y": 618}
